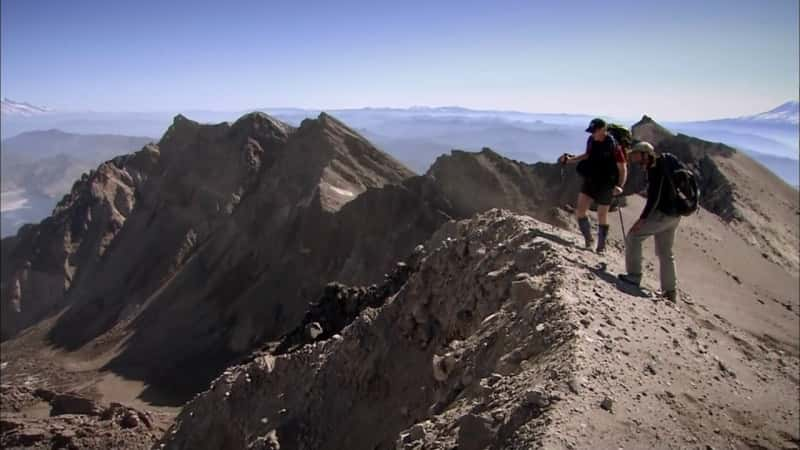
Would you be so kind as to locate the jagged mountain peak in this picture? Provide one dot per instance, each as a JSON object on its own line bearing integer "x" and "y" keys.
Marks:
{"x": 649, "y": 130}
{"x": 261, "y": 123}
{"x": 485, "y": 157}
{"x": 347, "y": 163}
{"x": 200, "y": 182}
{"x": 327, "y": 123}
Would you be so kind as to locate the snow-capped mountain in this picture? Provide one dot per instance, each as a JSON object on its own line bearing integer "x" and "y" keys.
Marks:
{"x": 10, "y": 107}
{"x": 785, "y": 113}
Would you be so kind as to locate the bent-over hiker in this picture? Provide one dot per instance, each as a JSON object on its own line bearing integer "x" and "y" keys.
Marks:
{"x": 660, "y": 218}
{"x": 604, "y": 172}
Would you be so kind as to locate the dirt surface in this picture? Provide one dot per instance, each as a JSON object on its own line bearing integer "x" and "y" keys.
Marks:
{"x": 50, "y": 400}
{"x": 42, "y": 418}
{"x": 729, "y": 277}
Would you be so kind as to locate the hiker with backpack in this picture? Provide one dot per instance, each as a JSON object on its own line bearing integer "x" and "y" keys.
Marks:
{"x": 671, "y": 193}
{"x": 604, "y": 171}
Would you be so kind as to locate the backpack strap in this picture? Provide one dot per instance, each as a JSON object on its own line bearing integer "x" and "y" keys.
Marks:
{"x": 660, "y": 189}
{"x": 670, "y": 161}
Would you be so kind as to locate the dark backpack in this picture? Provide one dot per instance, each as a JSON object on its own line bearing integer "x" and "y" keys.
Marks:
{"x": 682, "y": 183}
{"x": 600, "y": 167}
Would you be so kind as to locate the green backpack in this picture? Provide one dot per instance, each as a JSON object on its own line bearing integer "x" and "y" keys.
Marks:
{"x": 621, "y": 135}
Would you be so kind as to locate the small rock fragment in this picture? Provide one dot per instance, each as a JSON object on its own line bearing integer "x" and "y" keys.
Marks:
{"x": 129, "y": 420}
{"x": 537, "y": 397}
{"x": 574, "y": 385}
{"x": 313, "y": 330}
{"x": 474, "y": 432}
{"x": 415, "y": 433}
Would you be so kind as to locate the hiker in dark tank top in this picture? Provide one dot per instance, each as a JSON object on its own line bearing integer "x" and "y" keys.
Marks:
{"x": 604, "y": 173}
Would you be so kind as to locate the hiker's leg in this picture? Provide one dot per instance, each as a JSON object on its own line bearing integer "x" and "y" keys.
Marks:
{"x": 633, "y": 245}
{"x": 602, "y": 214}
{"x": 583, "y": 220}
{"x": 666, "y": 259}
{"x": 633, "y": 254}
{"x": 582, "y": 208}
{"x": 602, "y": 232}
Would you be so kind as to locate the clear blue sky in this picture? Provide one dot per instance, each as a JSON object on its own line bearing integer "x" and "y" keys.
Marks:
{"x": 671, "y": 59}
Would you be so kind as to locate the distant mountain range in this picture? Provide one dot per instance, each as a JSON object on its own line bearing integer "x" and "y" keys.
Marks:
{"x": 10, "y": 107}
{"x": 788, "y": 112}
{"x": 417, "y": 135}
{"x": 33, "y": 145}
{"x": 773, "y": 133}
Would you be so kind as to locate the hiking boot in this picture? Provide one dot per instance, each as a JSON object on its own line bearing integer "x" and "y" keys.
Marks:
{"x": 602, "y": 234}
{"x": 671, "y": 296}
{"x": 634, "y": 280}
{"x": 586, "y": 231}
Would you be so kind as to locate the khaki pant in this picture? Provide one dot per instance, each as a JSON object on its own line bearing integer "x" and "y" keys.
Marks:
{"x": 662, "y": 227}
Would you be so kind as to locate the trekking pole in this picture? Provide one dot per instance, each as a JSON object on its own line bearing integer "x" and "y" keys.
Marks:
{"x": 562, "y": 161}
{"x": 622, "y": 225}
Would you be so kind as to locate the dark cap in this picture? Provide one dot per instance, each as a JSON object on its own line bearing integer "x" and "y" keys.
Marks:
{"x": 596, "y": 124}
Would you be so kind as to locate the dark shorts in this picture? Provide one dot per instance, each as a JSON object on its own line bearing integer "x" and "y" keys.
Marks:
{"x": 602, "y": 195}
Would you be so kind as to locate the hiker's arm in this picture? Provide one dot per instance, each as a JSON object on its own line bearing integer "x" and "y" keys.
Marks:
{"x": 576, "y": 159}
{"x": 623, "y": 175}
{"x": 622, "y": 168}
{"x": 652, "y": 197}
{"x": 572, "y": 159}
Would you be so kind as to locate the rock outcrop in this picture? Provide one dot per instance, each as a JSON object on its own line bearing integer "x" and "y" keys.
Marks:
{"x": 476, "y": 182}
{"x": 455, "y": 337}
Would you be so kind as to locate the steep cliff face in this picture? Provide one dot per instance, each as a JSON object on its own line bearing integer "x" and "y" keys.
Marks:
{"x": 44, "y": 262}
{"x": 744, "y": 194}
{"x": 198, "y": 246}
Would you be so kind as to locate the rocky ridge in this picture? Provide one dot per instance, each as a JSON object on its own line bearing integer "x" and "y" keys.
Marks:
{"x": 502, "y": 337}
